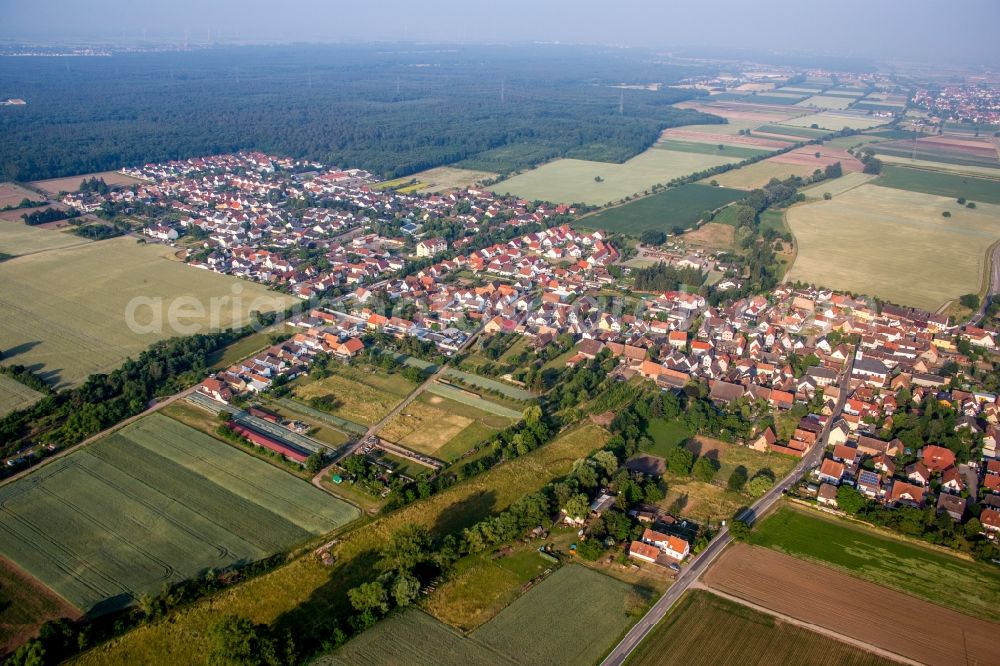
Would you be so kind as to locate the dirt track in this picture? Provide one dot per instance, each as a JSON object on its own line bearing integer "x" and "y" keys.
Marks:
{"x": 838, "y": 602}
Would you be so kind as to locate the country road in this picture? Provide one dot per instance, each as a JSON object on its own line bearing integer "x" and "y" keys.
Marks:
{"x": 992, "y": 290}
{"x": 697, "y": 566}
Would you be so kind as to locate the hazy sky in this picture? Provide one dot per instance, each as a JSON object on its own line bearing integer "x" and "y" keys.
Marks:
{"x": 949, "y": 30}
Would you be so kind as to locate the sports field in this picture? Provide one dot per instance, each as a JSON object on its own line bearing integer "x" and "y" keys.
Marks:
{"x": 572, "y": 181}
{"x": 17, "y": 239}
{"x": 440, "y": 427}
{"x": 572, "y": 617}
{"x": 360, "y": 395}
{"x": 14, "y": 395}
{"x": 676, "y": 207}
{"x": 65, "y": 310}
{"x": 154, "y": 503}
{"x": 920, "y": 258}
{"x": 979, "y": 190}
{"x": 835, "y": 121}
{"x": 306, "y": 594}
{"x": 442, "y": 179}
{"x": 705, "y": 628}
{"x": 969, "y": 587}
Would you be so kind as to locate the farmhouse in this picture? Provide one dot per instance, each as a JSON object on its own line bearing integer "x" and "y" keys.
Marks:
{"x": 643, "y": 551}
{"x": 673, "y": 547}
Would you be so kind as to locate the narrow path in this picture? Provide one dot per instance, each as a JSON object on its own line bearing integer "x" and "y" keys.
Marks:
{"x": 829, "y": 633}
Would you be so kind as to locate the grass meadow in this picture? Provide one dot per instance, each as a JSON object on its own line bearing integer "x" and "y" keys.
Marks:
{"x": 306, "y": 593}
{"x": 968, "y": 587}
{"x": 920, "y": 258}
{"x": 572, "y": 181}
{"x": 572, "y": 617}
{"x": 156, "y": 502}
{"x": 440, "y": 427}
{"x": 705, "y": 628}
{"x": 979, "y": 190}
{"x": 760, "y": 173}
{"x": 676, "y": 207}
{"x": 362, "y": 396}
{"x": 65, "y": 310}
{"x": 835, "y": 121}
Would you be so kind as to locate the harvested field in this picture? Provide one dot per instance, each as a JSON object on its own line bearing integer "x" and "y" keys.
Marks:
{"x": 572, "y": 181}
{"x": 711, "y": 235}
{"x": 12, "y": 194}
{"x": 980, "y": 190}
{"x": 827, "y": 102}
{"x": 442, "y": 179}
{"x": 54, "y": 186}
{"x": 760, "y": 173}
{"x": 835, "y": 243}
{"x": 688, "y": 134}
{"x": 806, "y": 156}
{"x": 66, "y": 308}
{"x": 837, "y": 186}
{"x": 602, "y": 610}
{"x": 306, "y": 594}
{"x": 675, "y": 207}
{"x": 968, "y": 169}
{"x": 25, "y": 605}
{"x": 14, "y": 395}
{"x": 691, "y": 634}
{"x": 362, "y": 397}
{"x": 938, "y": 152}
{"x": 157, "y": 502}
{"x": 884, "y": 558}
{"x": 865, "y": 611}
{"x": 430, "y": 423}
{"x": 17, "y": 239}
{"x": 835, "y": 121}
{"x": 737, "y": 111}
{"x": 742, "y": 152}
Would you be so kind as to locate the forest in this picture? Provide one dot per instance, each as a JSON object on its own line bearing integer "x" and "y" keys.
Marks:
{"x": 393, "y": 111}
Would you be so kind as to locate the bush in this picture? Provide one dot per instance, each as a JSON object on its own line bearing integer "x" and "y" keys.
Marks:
{"x": 739, "y": 530}
{"x": 738, "y": 479}
{"x": 705, "y": 468}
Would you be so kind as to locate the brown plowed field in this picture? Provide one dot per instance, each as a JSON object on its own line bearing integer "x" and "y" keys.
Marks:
{"x": 846, "y": 605}
{"x": 729, "y": 139}
{"x": 827, "y": 156}
{"x": 983, "y": 148}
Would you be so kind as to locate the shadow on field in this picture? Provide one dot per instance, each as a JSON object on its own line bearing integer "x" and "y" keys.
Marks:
{"x": 22, "y": 348}
{"x": 457, "y": 516}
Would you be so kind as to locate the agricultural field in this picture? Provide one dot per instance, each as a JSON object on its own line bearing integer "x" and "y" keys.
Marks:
{"x": 950, "y": 148}
{"x": 14, "y": 396}
{"x": 835, "y": 241}
{"x": 938, "y": 577}
{"x": 801, "y": 133}
{"x": 602, "y": 609}
{"x": 760, "y": 173}
{"x": 835, "y": 121}
{"x": 361, "y": 396}
{"x": 711, "y": 235}
{"x": 460, "y": 395}
{"x": 942, "y": 184}
{"x": 675, "y": 207}
{"x": 936, "y": 165}
{"x": 705, "y": 148}
{"x": 711, "y": 136}
{"x": 690, "y": 633}
{"x": 17, "y": 239}
{"x": 833, "y": 103}
{"x": 442, "y": 428}
{"x": 54, "y": 186}
{"x": 837, "y": 186}
{"x": 572, "y": 181}
{"x": 25, "y": 605}
{"x": 305, "y": 593}
{"x": 12, "y": 194}
{"x": 66, "y": 309}
{"x": 443, "y": 179}
{"x": 507, "y": 390}
{"x": 157, "y": 502}
{"x": 838, "y": 602}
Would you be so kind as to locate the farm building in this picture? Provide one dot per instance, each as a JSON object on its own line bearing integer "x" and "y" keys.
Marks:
{"x": 269, "y": 443}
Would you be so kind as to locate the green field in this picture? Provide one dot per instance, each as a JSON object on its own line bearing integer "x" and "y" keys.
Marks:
{"x": 676, "y": 207}
{"x": 305, "y": 593}
{"x": 965, "y": 586}
{"x": 572, "y": 181}
{"x": 706, "y": 629}
{"x": 485, "y": 404}
{"x": 936, "y": 154}
{"x": 157, "y": 502}
{"x": 942, "y": 184}
{"x": 17, "y": 239}
{"x": 833, "y": 102}
{"x": 938, "y": 165}
{"x": 14, "y": 395}
{"x": 666, "y": 435}
{"x": 65, "y": 310}
{"x": 572, "y": 617}
{"x": 787, "y": 130}
{"x": 920, "y": 258}
{"x": 835, "y": 121}
{"x": 742, "y": 152}
{"x": 775, "y": 98}
{"x": 512, "y": 392}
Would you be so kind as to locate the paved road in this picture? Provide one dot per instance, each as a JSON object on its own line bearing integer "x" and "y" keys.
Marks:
{"x": 700, "y": 563}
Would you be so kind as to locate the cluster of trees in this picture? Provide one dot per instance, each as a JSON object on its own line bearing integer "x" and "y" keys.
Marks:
{"x": 24, "y": 203}
{"x": 94, "y": 185}
{"x": 871, "y": 163}
{"x": 99, "y": 231}
{"x": 347, "y": 105}
{"x": 933, "y": 421}
{"x": 25, "y": 376}
{"x": 51, "y": 214}
{"x": 663, "y": 277}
